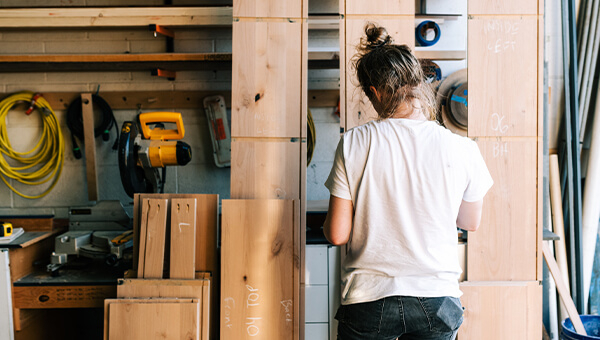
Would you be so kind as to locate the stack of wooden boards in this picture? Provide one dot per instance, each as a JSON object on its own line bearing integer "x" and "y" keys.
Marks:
{"x": 175, "y": 237}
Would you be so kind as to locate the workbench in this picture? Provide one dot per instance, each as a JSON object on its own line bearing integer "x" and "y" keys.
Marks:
{"x": 39, "y": 299}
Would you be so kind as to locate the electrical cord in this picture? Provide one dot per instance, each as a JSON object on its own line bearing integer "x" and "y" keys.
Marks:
{"x": 312, "y": 137}
{"x": 75, "y": 123}
{"x": 42, "y": 163}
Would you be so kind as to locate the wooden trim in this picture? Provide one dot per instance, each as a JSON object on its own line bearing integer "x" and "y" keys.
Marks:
{"x": 115, "y": 17}
{"x": 87, "y": 114}
{"x": 114, "y": 58}
{"x": 128, "y": 100}
{"x": 28, "y": 297}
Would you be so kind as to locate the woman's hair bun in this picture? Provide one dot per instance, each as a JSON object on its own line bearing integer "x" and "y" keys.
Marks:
{"x": 376, "y": 36}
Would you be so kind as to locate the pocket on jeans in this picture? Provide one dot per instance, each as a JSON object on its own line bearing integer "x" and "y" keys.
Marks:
{"x": 362, "y": 317}
{"x": 449, "y": 315}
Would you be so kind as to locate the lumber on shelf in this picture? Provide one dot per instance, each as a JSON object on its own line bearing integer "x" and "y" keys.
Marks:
{"x": 115, "y": 17}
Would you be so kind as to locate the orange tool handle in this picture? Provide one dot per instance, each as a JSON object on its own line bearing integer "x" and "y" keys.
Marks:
{"x": 161, "y": 117}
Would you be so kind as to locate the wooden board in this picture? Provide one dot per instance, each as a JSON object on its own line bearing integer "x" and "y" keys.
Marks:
{"x": 114, "y": 58}
{"x": 154, "y": 214}
{"x": 259, "y": 268}
{"x": 207, "y": 221}
{"x": 155, "y": 100}
{"x": 503, "y": 7}
{"x": 563, "y": 290}
{"x": 503, "y": 78}
{"x": 505, "y": 246}
{"x": 270, "y": 8}
{"x": 159, "y": 288}
{"x": 87, "y": 113}
{"x": 501, "y": 310}
{"x": 378, "y": 7}
{"x": 359, "y": 109}
{"x": 265, "y": 168}
{"x": 200, "y": 289}
{"x": 114, "y": 17}
{"x": 267, "y": 77}
{"x": 183, "y": 238}
{"x": 31, "y": 224}
{"x": 146, "y": 318}
{"x": 34, "y": 297}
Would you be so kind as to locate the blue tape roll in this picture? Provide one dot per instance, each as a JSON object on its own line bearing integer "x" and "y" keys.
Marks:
{"x": 421, "y": 33}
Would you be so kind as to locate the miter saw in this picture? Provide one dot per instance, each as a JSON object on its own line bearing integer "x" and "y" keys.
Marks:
{"x": 146, "y": 145}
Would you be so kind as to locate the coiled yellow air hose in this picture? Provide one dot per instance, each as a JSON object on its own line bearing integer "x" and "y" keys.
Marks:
{"x": 44, "y": 162}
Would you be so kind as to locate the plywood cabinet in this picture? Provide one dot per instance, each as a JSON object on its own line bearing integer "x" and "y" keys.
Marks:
{"x": 503, "y": 76}
{"x": 504, "y": 247}
{"x": 267, "y": 78}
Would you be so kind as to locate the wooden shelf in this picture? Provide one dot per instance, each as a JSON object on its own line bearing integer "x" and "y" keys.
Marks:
{"x": 148, "y": 100}
{"x": 131, "y": 62}
{"x": 441, "y": 55}
{"x": 115, "y": 17}
{"x": 132, "y": 17}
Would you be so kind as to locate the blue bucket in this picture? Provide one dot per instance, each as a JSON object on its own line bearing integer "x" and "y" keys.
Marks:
{"x": 591, "y": 323}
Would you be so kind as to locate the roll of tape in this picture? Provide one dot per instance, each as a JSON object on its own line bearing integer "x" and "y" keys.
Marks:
{"x": 424, "y": 29}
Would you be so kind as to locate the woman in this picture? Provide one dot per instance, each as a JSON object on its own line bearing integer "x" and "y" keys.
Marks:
{"x": 400, "y": 185}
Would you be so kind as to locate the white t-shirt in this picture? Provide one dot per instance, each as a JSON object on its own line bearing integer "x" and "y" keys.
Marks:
{"x": 406, "y": 179}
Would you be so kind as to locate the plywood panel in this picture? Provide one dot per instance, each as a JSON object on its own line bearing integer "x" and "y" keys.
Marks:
{"x": 61, "y": 296}
{"x": 505, "y": 246}
{"x": 146, "y": 318}
{"x": 183, "y": 238}
{"x": 206, "y": 227}
{"x": 158, "y": 288}
{"x": 207, "y": 218}
{"x": 270, "y": 8}
{"x": 502, "y": 7}
{"x": 503, "y": 76}
{"x": 267, "y": 77}
{"x": 259, "y": 269}
{"x": 378, "y": 7}
{"x": 154, "y": 213}
{"x": 358, "y": 107}
{"x": 501, "y": 310}
{"x": 265, "y": 168}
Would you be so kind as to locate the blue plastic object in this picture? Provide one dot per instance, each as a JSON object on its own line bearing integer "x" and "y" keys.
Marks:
{"x": 591, "y": 323}
{"x": 421, "y": 33}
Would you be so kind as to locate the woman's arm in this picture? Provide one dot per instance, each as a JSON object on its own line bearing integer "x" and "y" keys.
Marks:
{"x": 469, "y": 215}
{"x": 338, "y": 224}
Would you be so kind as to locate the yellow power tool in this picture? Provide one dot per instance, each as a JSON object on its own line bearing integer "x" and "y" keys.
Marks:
{"x": 146, "y": 145}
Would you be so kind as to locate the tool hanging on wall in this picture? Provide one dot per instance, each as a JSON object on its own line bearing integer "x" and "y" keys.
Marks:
{"x": 43, "y": 162}
{"x": 75, "y": 122}
{"x": 218, "y": 126}
{"x": 427, "y": 33}
{"x": 452, "y": 100}
{"x": 142, "y": 150}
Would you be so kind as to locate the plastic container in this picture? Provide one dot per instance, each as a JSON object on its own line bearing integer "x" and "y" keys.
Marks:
{"x": 591, "y": 323}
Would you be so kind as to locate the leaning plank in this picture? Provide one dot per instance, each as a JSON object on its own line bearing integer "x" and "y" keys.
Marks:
{"x": 565, "y": 296}
{"x": 87, "y": 113}
{"x": 156, "y": 225}
{"x": 183, "y": 238}
{"x": 142, "y": 319}
{"x": 119, "y": 17}
{"x": 259, "y": 269}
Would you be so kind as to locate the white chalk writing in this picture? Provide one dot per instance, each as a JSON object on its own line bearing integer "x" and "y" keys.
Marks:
{"x": 497, "y": 124}
{"x": 228, "y": 305}
{"x": 500, "y": 149}
{"x": 287, "y": 307}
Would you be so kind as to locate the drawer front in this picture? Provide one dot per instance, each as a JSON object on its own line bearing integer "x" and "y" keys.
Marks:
{"x": 317, "y": 304}
{"x": 316, "y": 265}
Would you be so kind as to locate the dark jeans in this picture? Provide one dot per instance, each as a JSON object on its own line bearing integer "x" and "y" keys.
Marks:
{"x": 402, "y": 317}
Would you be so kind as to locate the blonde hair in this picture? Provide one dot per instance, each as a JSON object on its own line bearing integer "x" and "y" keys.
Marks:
{"x": 393, "y": 71}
